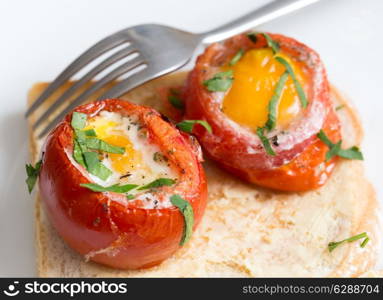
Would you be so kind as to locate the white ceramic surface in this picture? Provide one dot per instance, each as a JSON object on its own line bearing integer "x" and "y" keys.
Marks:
{"x": 39, "y": 38}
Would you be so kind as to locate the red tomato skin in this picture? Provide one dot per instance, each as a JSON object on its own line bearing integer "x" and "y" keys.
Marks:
{"x": 229, "y": 146}
{"x": 306, "y": 172}
{"x": 102, "y": 226}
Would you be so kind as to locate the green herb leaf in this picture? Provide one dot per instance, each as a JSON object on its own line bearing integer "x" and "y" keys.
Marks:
{"x": 90, "y": 132}
{"x": 351, "y": 153}
{"x": 176, "y": 102}
{"x": 272, "y": 107}
{"x": 116, "y": 188}
{"x": 236, "y": 57}
{"x": 265, "y": 141}
{"x": 271, "y": 43}
{"x": 80, "y": 136}
{"x": 298, "y": 87}
{"x": 97, "y": 144}
{"x": 77, "y": 153}
{"x": 79, "y": 147}
{"x": 323, "y": 137}
{"x": 364, "y": 243}
{"x": 188, "y": 125}
{"x": 129, "y": 196}
{"x": 81, "y": 144}
{"x": 339, "y": 107}
{"x": 252, "y": 37}
{"x": 158, "y": 183}
{"x": 188, "y": 214}
{"x": 78, "y": 120}
{"x": 95, "y": 167}
{"x": 220, "y": 82}
{"x": 335, "y": 149}
{"x": 32, "y": 174}
{"x": 333, "y": 245}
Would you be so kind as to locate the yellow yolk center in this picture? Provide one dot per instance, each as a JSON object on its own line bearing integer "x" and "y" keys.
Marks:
{"x": 255, "y": 77}
{"x": 106, "y": 131}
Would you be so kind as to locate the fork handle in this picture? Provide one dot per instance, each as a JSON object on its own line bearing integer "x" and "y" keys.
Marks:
{"x": 259, "y": 16}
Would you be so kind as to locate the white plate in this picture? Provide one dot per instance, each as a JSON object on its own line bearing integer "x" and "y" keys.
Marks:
{"x": 39, "y": 38}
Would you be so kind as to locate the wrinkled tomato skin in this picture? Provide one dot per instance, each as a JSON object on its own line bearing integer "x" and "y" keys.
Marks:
{"x": 104, "y": 226}
{"x": 229, "y": 146}
{"x": 307, "y": 171}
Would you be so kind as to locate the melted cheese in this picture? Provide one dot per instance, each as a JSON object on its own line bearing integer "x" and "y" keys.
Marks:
{"x": 255, "y": 77}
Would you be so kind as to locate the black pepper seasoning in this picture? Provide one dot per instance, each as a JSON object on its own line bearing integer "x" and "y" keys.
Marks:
{"x": 274, "y": 140}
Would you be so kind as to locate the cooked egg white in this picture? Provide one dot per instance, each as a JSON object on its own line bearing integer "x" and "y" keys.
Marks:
{"x": 142, "y": 161}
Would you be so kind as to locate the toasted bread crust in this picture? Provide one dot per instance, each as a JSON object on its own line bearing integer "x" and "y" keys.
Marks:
{"x": 247, "y": 231}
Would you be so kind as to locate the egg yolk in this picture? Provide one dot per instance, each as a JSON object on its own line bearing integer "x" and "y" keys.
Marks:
{"x": 255, "y": 77}
{"x": 105, "y": 130}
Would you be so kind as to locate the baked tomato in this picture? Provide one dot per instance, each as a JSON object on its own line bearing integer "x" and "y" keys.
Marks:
{"x": 109, "y": 173}
{"x": 266, "y": 96}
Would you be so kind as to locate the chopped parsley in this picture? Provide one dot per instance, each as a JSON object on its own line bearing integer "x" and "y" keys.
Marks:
{"x": 188, "y": 214}
{"x": 129, "y": 196}
{"x": 364, "y": 243}
{"x": 158, "y": 183}
{"x": 236, "y": 57}
{"x": 78, "y": 120}
{"x": 351, "y": 153}
{"x": 90, "y": 132}
{"x": 188, "y": 125}
{"x": 95, "y": 166}
{"x": 113, "y": 188}
{"x": 176, "y": 102}
{"x": 117, "y": 188}
{"x": 271, "y": 43}
{"x": 85, "y": 140}
{"x": 272, "y": 107}
{"x": 77, "y": 153}
{"x": 252, "y": 37}
{"x": 32, "y": 174}
{"x": 220, "y": 82}
{"x": 335, "y": 149}
{"x": 265, "y": 141}
{"x": 97, "y": 144}
{"x": 298, "y": 87}
{"x": 364, "y": 236}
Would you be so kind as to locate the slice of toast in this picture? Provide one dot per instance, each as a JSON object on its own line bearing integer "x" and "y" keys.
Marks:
{"x": 247, "y": 231}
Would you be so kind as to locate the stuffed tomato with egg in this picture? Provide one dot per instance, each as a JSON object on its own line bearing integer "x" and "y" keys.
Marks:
{"x": 266, "y": 97}
{"x": 121, "y": 185}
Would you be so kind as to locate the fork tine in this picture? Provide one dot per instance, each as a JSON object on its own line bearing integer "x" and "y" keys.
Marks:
{"x": 127, "y": 84}
{"x": 86, "y": 78}
{"x": 93, "y": 52}
{"x": 129, "y": 66}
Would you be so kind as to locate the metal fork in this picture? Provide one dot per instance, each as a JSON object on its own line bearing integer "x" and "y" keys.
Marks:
{"x": 158, "y": 50}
